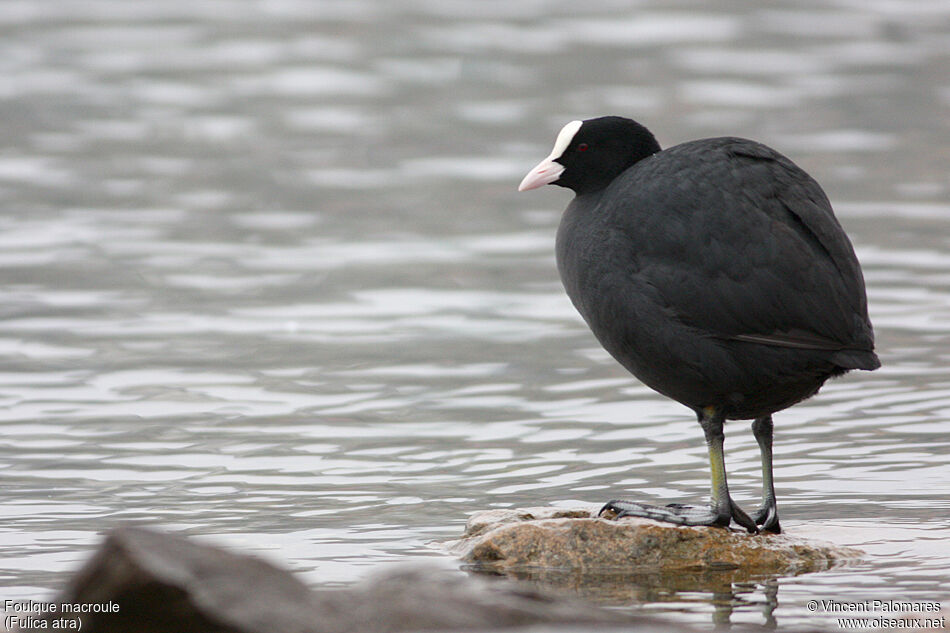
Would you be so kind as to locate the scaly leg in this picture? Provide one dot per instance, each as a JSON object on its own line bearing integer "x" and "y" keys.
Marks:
{"x": 767, "y": 515}
{"x": 722, "y": 509}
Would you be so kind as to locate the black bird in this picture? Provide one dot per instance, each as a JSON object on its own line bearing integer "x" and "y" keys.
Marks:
{"x": 716, "y": 272}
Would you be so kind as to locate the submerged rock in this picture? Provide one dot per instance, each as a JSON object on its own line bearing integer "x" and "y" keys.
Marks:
{"x": 153, "y": 582}
{"x": 576, "y": 539}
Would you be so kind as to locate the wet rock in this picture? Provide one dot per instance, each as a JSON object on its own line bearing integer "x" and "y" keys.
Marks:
{"x": 154, "y": 582}
{"x": 575, "y": 539}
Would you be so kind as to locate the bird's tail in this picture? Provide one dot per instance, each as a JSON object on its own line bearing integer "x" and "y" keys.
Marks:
{"x": 856, "y": 359}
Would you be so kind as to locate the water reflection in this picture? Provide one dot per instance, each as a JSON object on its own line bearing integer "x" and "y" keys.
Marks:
{"x": 721, "y": 592}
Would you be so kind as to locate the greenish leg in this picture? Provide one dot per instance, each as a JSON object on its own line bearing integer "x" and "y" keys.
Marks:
{"x": 720, "y": 499}
{"x": 719, "y": 492}
{"x": 721, "y": 510}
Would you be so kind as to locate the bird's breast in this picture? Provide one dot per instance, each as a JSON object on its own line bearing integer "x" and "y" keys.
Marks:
{"x": 599, "y": 267}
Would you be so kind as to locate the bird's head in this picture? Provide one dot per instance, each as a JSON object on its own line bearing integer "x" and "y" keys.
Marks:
{"x": 589, "y": 154}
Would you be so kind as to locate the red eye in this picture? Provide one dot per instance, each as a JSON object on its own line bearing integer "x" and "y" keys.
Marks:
{"x": 582, "y": 147}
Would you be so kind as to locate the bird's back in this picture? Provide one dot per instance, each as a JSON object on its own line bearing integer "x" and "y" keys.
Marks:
{"x": 718, "y": 250}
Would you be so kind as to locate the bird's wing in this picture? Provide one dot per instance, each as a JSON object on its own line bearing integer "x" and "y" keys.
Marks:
{"x": 797, "y": 340}
{"x": 744, "y": 246}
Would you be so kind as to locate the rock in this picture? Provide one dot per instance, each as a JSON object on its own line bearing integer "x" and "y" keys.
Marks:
{"x": 424, "y": 600}
{"x": 162, "y": 582}
{"x": 481, "y": 522}
{"x": 576, "y": 539}
{"x": 153, "y": 582}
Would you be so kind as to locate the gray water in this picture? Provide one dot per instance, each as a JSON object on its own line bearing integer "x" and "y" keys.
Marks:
{"x": 266, "y": 278}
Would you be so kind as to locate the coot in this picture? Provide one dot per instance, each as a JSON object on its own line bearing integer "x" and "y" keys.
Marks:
{"x": 716, "y": 272}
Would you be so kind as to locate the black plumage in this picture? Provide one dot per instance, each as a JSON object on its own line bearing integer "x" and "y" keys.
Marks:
{"x": 715, "y": 271}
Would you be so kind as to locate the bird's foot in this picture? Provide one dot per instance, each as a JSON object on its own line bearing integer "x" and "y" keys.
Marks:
{"x": 681, "y": 514}
{"x": 766, "y": 518}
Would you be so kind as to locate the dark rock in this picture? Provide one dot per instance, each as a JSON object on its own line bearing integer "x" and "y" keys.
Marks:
{"x": 428, "y": 600}
{"x": 166, "y": 583}
{"x": 575, "y": 539}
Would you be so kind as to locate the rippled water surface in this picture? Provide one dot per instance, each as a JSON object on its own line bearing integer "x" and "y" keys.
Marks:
{"x": 266, "y": 277}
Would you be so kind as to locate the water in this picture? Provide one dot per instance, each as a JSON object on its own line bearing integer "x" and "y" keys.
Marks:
{"x": 266, "y": 278}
